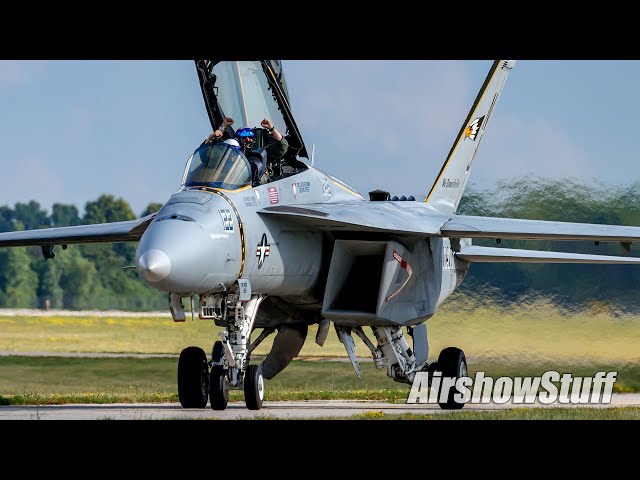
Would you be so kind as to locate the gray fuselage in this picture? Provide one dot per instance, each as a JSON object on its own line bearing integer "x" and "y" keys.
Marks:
{"x": 204, "y": 239}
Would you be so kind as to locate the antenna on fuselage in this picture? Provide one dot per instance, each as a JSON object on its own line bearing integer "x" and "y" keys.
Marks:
{"x": 313, "y": 153}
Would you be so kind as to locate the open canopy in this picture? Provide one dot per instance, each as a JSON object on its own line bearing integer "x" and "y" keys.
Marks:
{"x": 249, "y": 91}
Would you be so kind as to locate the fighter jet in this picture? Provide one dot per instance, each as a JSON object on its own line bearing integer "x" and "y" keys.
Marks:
{"x": 252, "y": 244}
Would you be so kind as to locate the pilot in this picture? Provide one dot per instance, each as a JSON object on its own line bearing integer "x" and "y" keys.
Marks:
{"x": 278, "y": 146}
{"x": 266, "y": 161}
{"x": 257, "y": 156}
{"x": 272, "y": 153}
{"x": 247, "y": 138}
{"x": 220, "y": 132}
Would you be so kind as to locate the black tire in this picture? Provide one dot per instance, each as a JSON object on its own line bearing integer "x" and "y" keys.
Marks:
{"x": 253, "y": 387}
{"x": 218, "y": 388}
{"x": 218, "y": 352}
{"x": 452, "y": 362}
{"x": 193, "y": 378}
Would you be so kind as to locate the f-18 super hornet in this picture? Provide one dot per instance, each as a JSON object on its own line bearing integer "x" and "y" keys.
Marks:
{"x": 283, "y": 246}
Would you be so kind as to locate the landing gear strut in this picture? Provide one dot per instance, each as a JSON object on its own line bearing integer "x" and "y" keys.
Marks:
{"x": 230, "y": 358}
{"x": 229, "y": 369}
{"x": 393, "y": 352}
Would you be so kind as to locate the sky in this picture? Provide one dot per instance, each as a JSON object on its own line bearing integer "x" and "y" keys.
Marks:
{"x": 75, "y": 129}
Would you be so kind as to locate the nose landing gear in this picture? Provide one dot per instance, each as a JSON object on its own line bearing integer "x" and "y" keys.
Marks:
{"x": 199, "y": 381}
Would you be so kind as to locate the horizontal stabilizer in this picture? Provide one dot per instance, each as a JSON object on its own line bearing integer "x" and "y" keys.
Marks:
{"x": 463, "y": 226}
{"x": 477, "y": 254}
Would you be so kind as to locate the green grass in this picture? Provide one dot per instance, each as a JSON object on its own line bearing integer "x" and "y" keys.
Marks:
{"x": 56, "y": 380}
{"x": 59, "y": 380}
{"x": 534, "y": 333}
{"x": 523, "y": 341}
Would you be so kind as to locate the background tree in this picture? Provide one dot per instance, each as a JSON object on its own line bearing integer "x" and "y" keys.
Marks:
{"x": 79, "y": 281}
{"x": 107, "y": 209}
{"x": 31, "y": 215}
{"x": 557, "y": 200}
{"x": 151, "y": 208}
{"x": 63, "y": 215}
{"x": 6, "y": 219}
{"x": 49, "y": 289}
{"x": 83, "y": 276}
{"x": 20, "y": 282}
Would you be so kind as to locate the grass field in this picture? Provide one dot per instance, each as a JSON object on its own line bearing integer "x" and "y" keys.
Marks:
{"x": 50, "y": 380}
{"x": 56, "y": 380}
{"x": 524, "y": 341}
{"x": 534, "y": 333}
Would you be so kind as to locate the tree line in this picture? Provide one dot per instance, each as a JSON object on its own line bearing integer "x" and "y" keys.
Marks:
{"x": 83, "y": 276}
{"x": 562, "y": 200}
{"x": 90, "y": 276}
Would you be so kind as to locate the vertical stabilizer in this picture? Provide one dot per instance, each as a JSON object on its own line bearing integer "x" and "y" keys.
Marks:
{"x": 451, "y": 181}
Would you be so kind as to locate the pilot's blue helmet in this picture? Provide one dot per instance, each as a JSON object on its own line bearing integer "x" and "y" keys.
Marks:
{"x": 246, "y": 136}
{"x": 246, "y": 132}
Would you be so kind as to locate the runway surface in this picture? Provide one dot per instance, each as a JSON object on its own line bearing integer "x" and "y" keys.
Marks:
{"x": 280, "y": 410}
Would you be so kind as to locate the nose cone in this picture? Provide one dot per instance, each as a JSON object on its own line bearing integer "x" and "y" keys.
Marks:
{"x": 154, "y": 265}
{"x": 186, "y": 257}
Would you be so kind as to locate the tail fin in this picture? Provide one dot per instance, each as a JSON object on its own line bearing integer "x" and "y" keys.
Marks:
{"x": 451, "y": 181}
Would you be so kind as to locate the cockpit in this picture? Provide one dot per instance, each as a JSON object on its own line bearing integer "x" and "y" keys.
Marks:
{"x": 217, "y": 165}
{"x": 248, "y": 92}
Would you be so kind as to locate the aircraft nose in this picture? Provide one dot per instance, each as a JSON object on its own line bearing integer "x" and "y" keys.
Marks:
{"x": 154, "y": 265}
{"x": 185, "y": 257}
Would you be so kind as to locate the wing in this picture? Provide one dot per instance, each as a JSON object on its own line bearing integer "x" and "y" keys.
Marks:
{"x": 461, "y": 226}
{"x": 475, "y": 254}
{"x": 128, "y": 231}
{"x": 408, "y": 219}
{"x": 380, "y": 217}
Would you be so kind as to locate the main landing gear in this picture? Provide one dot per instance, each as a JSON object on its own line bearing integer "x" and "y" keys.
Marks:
{"x": 200, "y": 381}
{"x": 451, "y": 362}
{"x": 401, "y": 362}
